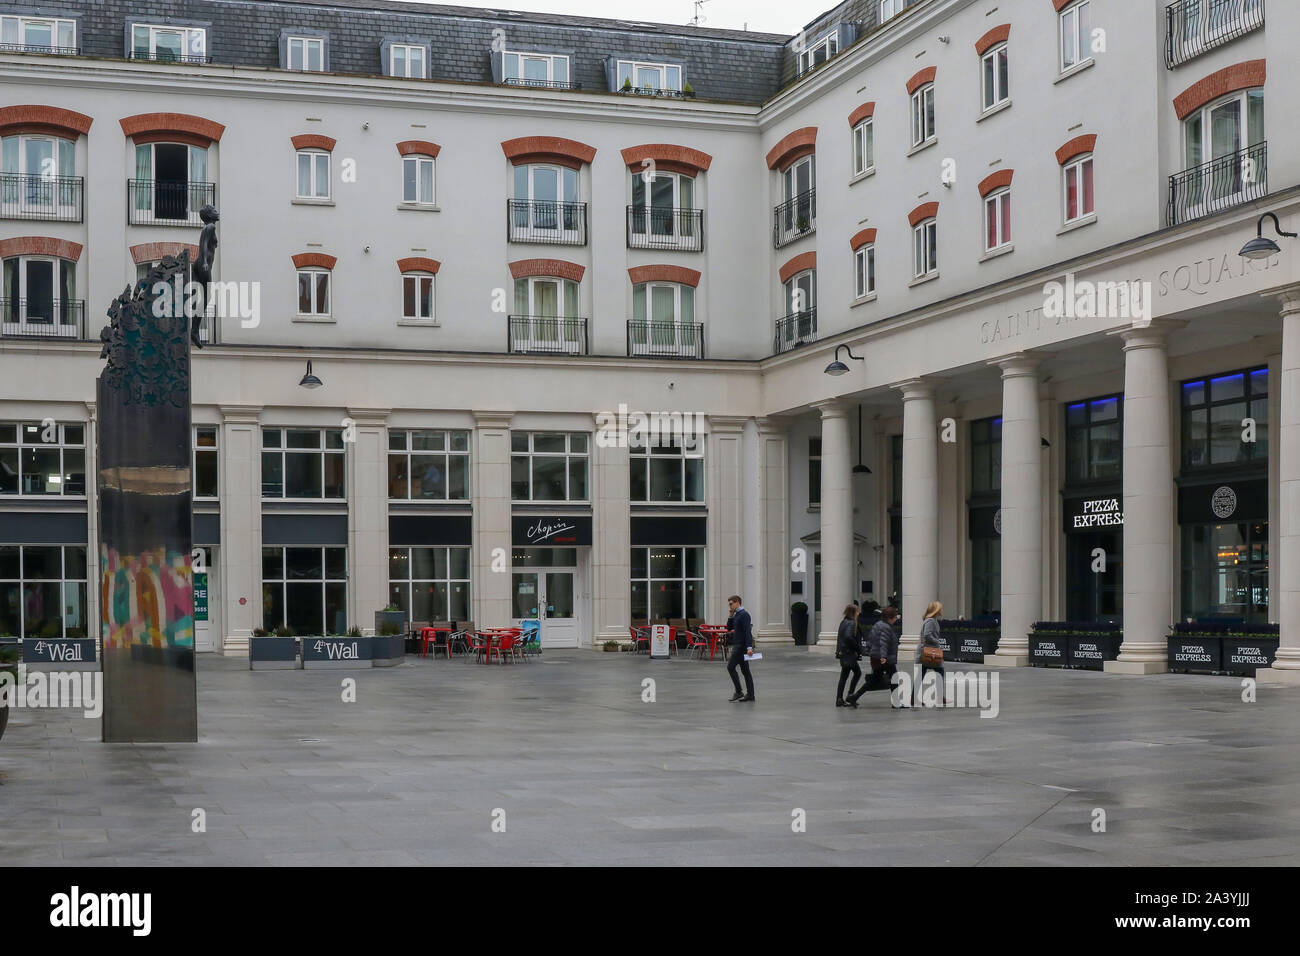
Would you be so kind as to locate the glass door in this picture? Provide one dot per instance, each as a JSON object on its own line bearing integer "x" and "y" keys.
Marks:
{"x": 559, "y": 620}
{"x": 38, "y": 293}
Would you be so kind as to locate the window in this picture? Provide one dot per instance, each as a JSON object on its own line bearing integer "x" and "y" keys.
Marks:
{"x": 997, "y": 219}
{"x": 205, "y": 461}
{"x": 183, "y": 44}
{"x": 985, "y": 577}
{"x": 670, "y": 471}
{"x": 417, "y": 297}
{"x": 925, "y": 249}
{"x": 42, "y": 459}
{"x": 923, "y": 114}
{"x": 38, "y": 176}
{"x": 1225, "y": 154}
{"x": 663, "y": 315}
{"x": 663, "y": 213}
{"x": 170, "y": 185}
{"x": 817, "y": 54}
{"x": 406, "y": 60}
{"x": 863, "y": 148}
{"x": 797, "y": 214}
{"x": 305, "y": 591}
{"x": 43, "y": 590}
{"x": 535, "y": 69}
{"x": 38, "y": 35}
{"x": 1076, "y": 35}
{"x": 546, "y": 206}
{"x": 1094, "y": 443}
{"x": 313, "y": 174}
{"x": 306, "y": 54}
{"x": 649, "y": 77}
{"x": 814, "y": 472}
{"x": 548, "y": 466}
{"x": 986, "y": 455}
{"x": 1078, "y": 189}
{"x": 667, "y": 583}
{"x": 801, "y": 293}
{"x": 303, "y": 463}
{"x": 417, "y": 179}
{"x": 1213, "y": 410}
{"x": 428, "y": 465}
{"x": 864, "y": 271}
{"x": 313, "y": 292}
{"x": 1225, "y": 570}
{"x": 890, "y": 8}
{"x": 39, "y": 297}
{"x": 430, "y": 584}
{"x": 994, "y": 69}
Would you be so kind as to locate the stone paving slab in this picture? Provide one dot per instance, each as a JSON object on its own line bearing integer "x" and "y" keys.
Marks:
{"x": 587, "y": 773}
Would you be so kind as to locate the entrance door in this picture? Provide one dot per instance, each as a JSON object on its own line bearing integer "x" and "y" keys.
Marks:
{"x": 549, "y": 597}
{"x": 171, "y": 172}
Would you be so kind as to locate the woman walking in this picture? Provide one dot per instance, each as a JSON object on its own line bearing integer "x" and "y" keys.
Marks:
{"x": 882, "y": 652}
{"x": 848, "y": 648}
{"x": 931, "y": 660}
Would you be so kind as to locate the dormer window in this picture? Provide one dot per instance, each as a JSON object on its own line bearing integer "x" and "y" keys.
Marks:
{"x": 174, "y": 44}
{"x": 306, "y": 51}
{"x": 535, "y": 69}
{"x": 650, "y": 78}
{"x": 817, "y": 54}
{"x": 37, "y": 35}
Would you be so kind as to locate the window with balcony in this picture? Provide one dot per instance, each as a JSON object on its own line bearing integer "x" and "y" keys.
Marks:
{"x": 799, "y": 324}
{"x": 304, "y": 463}
{"x": 45, "y": 458}
{"x": 1076, "y": 35}
{"x": 669, "y": 471}
{"x": 864, "y": 155}
{"x": 923, "y": 129}
{"x": 314, "y": 292}
{"x": 925, "y": 249}
{"x": 38, "y": 35}
{"x": 546, "y": 316}
{"x": 305, "y": 590}
{"x": 206, "y": 462}
{"x": 545, "y": 206}
{"x": 313, "y": 174}
{"x": 43, "y": 590}
{"x": 408, "y": 60}
{"x": 305, "y": 54}
{"x": 997, "y": 220}
{"x": 544, "y": 70}
{"x": 428, "y": 465}
{"x": 38, "y": 179}
{"x": 994, "y": 76}
{"x": 170, "y": 185}
{"x": 662, "y": 214}
{"x": 39, "y": 298}
{"x": 818, "y": 53}
{"x": 1078, "y": 189}
{"x": 417, "y": 180}
{"x": 1226, "y": 157}
{"x": 796, "y": 216}
{"x": 169, "y": 43}
{"x": 663, "y": 321}
{"x": 633, "y": 76}
{"x": 864, "y": 271}
{"x": 1195, "y": 26}
{"x": 549, "y": 466}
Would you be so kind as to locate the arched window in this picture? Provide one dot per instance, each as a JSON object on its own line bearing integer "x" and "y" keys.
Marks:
{"x": 39, "y": 297}
{"x": 170, "y": 185}
{"x": 38, "y": 178}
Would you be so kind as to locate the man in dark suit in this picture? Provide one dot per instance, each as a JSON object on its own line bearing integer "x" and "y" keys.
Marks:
{"x": 742, "y": 646}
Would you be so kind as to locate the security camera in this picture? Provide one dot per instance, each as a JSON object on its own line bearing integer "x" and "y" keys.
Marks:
{"x": 944, "y": 39}
{"x": 365, "y": 126}
{"x": 365, "y": 248}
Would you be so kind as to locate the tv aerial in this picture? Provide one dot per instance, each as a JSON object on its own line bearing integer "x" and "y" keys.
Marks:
{"x": 699, "y": 13}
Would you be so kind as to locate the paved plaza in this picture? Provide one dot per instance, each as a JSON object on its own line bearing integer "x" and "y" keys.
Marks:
{"x": 588, "y": 773}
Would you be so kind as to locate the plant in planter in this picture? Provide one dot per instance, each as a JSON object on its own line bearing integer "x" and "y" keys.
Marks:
{"x": 610, "y": 645}
{"x": 627, "y": 86}
{"x": 799, "y": 623}
{"x": 354, "y": 631}
{"x": 261, "y": 632}
{"x": 688, "y": 89}
{"x": 803, "y": 225}
{"x": 285, "y": 631}
{"x": 76, "y": 634}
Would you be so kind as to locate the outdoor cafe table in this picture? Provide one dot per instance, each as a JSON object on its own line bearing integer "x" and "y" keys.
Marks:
{"x": 714, "y": 632}
{"x": 497, "y": 632}
{"x": 430, "y": 635}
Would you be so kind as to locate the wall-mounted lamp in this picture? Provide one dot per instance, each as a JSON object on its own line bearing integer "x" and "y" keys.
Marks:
{"x": 309, "y": 380}
{"x": 1261, "y": 248}
{"x": 839, "y": 368}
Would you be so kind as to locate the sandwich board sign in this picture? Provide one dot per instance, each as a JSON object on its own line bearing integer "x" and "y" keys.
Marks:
{"x": 659, "y": 641}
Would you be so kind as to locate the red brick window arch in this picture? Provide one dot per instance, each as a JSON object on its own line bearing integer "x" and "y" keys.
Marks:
{"x": 419, "y": 169}
{"x": 313, "y": 166}
{"x": 39, "y": 295}
{"x": 170, "y": 181}
{"x": 38, "y": 158}
{"x": 993, "y": 51}
{"x": 920, "y": 90}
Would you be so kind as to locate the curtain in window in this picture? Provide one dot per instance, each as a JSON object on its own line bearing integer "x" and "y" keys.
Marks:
{"x": 9, "y": 167}
{"x": 144, "y": 177}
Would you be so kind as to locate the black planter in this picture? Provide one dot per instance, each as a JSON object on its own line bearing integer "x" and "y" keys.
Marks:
{"x": 1049, "y": 650}
{"x": 971, "y": 646}
{"x": 799, "y": 628}
{"x": 1196, "y": 652}
{"x": 388, "y": 650}
{"x": 1245, "y": 655}
{"x": 1091, "y": 651}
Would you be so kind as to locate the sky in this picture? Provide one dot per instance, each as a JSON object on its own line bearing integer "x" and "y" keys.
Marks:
{"x": 763, "y": 16}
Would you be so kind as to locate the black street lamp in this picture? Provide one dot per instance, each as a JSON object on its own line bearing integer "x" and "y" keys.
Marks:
{"x": 1261, "y": 248}
{"x": 839, "y": 368}
{"x": 309, "y": 380}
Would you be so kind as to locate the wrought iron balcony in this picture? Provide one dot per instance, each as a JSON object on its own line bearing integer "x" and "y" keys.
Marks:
{"x": 167, "y": 56}
{"x": 46, "y": 198}
{"x": 151, "y": 202}
{"x": 794, "y": 330}
{"x": 43, "y": 319}
{"x": 794, "y": 219}
{"x": 561, "y": 223}
{"x": 547, "y": 335}
{"x": 541, "y": 84}
{"x": 46, "y": 48}
{"x": 1194, "y": 26}
{"x": 1222, "y": 183}
{"x": 665, "y": 339}
{"x": 663, "y": 228}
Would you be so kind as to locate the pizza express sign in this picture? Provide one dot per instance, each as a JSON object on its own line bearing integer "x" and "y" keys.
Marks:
{"x": 550, "y": 531}
{"x": 1088, "y": 514}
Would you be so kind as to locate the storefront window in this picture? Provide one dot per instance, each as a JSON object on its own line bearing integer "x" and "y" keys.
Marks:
{"x": 667, "y": 583}
{"x": 985, "y": 455}
{"x": 1225, "y": 572}
{"x": 430, "y": 584}
{"x": 303, "y": 463}
{"x": 668, "y": 472}
{"x": 1094, "y": 442}
{"x": 42, "y": 458}
{"x": 428, "y": 465}
{"x": 42, "y": 591}
{"x": 548, "y": 466}
{"x": 986, "y": 576}
{"x": 305, "y": 590}
{"x": 205, "y": 461}
{"x": 1215, "y": 430}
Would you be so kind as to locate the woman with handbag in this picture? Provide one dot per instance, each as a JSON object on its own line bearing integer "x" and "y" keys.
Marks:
{"x": 848, "y": 647}
{"x": 929, "y": 652}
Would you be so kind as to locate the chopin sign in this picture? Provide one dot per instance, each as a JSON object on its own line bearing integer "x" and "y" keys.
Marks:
{"x": 1085, "y": 514}
{"x": 550, "y": 531}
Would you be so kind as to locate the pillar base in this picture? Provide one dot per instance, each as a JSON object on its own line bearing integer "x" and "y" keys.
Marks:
{"x": 822, "y": 648}
{"x": 234, "y": 645}
{"x": 1136, "y": 667}
{"x": 1006, "y": 660}
{"x": 1272, "y": 677}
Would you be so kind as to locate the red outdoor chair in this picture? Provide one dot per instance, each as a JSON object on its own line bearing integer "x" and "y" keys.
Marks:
{"x": 696, "y": 642}
{"x": 640, "y": 635}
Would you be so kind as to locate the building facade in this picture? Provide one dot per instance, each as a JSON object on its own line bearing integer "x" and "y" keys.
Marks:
{"x": 502, "y": 238}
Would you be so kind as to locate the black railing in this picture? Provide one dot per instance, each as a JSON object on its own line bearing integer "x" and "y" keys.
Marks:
{"x": 665, "y": 339}
{"x": 652, "y": 91}
{"x": 547, "y": 334}
{"x": 681, "y": 229}
{"x": 794, "y": 330}
{"x": 1222, "y": 183}
{"x": 48, "y": 198}
{"x": 541, "y": 84}
{"x": 43, "y": 319}
{"x": 155, "y": 202}
{"x": 794, "y": 218}
{"x": 166, "y": 56}
{"x": 1194, "y": 26}
{"x": 45, "y": 48}
{"x": 562, "y": 223}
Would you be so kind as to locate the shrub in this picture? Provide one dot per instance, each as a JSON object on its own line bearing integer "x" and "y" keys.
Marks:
{"x": 798, "y": 607}
{"x": 261, "y": 632}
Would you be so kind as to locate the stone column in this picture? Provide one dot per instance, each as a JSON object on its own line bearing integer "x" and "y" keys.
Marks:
{"x": 240, "y": 447}
{"x": 920, "y": 510}
{"x": 367, "y": 487}
{"x": 724, "y": 482}
{"x": 773, "y": 556}
{"x": 490, "y": 471}
{"x": 1284, "y": 563}
{"x": 1148, "y": 504}
{"x": 1022, "y": 509}
{"x": 836, "y": 521}
{"x": 611, "y": 540}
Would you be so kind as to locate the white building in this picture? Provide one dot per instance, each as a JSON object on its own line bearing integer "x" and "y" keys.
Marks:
{"x": 486, "y": 231}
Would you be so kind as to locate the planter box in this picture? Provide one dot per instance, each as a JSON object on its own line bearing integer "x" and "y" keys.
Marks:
{"x": 387, "y": 651}
{"x": 1196, "y": 652}
{"x": 335, "y": 653}
{"x": 1245, "y": 655}
{"x": 60, "y": 653}
{"x": 272, "y": 653}
{"x": 1091, "y": 651}
{"x": 971, "y": 646}
{"x": 1049, "y": 650}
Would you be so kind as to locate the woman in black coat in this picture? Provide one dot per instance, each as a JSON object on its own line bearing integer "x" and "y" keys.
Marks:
{"x": 848, "y": 648}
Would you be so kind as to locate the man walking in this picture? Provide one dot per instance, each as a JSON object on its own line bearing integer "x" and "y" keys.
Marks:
{"x": 882, "y": 649}
{"x": 742, "y": 647}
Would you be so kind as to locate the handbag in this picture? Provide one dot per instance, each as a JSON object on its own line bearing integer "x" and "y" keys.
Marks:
{"x": 931, "y": 656}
